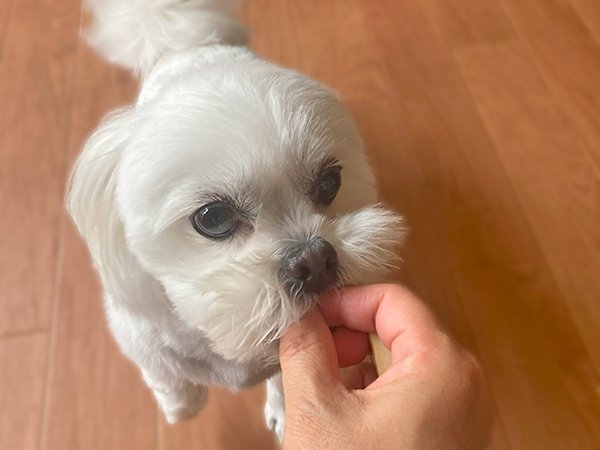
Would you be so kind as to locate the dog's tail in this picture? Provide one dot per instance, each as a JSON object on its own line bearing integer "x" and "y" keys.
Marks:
{"x": 137, "y": 33}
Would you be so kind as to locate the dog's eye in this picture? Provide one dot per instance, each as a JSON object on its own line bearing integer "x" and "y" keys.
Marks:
{"x": 328, "y": 185}
{"x": 216, "y": 220}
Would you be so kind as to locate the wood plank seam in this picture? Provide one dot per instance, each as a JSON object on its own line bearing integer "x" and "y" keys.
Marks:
{"x": 551, "y": 81}
{"x": 513, "y": 187}
{"x": 19, "y": 333}
{"x": 587, "y": 20}
{"x": 6, "y": 25}
{"x": 518, "y": 194}
{"x": 59, "y": 260}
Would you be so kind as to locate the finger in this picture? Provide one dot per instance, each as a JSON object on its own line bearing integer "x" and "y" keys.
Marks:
{"x": 359, "y": 376}
{"x": 351, "y": 346}
{"x": 401, "y": 321}
{"x": 307, "y": 356}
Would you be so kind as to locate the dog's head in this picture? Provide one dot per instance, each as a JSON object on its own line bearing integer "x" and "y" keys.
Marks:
{"x": 243, "y": 190}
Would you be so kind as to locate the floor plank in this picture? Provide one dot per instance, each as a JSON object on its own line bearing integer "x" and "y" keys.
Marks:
{"x": 35, "y": 88}
{"x": 461, "y": 171}
{"x": 465, "y": 22}
{"x": 96, "y": 399}
{"x": 537, "y": 366}
{"x": 23, "y": 360}
{"x": 569, "y": 60}
{"x": 589, "y": 13}
{"x": 5, "y": 9}
{"x": 272, "y": 31}
{"x": 335, "y": 56}
{"x": 545, "y": 157}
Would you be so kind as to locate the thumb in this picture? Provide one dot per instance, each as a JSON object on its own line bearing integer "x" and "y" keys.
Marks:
{"x": 308, "y": 357}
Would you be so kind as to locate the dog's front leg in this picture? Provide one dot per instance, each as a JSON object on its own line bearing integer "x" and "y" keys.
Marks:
{"x": 178, "y": 399}
{"x": 275, "y": 406}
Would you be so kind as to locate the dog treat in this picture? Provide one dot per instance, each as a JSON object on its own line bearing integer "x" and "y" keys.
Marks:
{"x": 381, "y": 355}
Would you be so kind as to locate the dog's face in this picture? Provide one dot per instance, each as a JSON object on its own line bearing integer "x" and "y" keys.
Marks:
{"x": 246, "y": 193}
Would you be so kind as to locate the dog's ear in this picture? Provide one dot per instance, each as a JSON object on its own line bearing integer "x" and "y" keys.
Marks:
{"x": 91, "y": 201}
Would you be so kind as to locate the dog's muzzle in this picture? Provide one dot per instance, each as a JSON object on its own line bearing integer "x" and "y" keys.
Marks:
{"x": 309, "y": 268}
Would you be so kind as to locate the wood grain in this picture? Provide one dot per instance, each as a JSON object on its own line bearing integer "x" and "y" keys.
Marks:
{"x": 35, "y": 91}
{"x": 453, "y": 150}
{"x": 569, "y": 61}
{"x": 538, "y": 368}
{"x": 95, "y": 398}
{"x": 272, "y": 34}
{"x": 338, "y": 57}
{"x": 563, "y": 182}
{"x": 481, "y": 119}
{"x": 23, "y": 362}
{"x": 466, "y": 22}
{"x": 589, "y": 13}
{"x": 5, "y": 9}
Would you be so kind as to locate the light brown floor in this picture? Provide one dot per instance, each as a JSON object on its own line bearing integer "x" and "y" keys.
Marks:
{"x": 482, "y": 120}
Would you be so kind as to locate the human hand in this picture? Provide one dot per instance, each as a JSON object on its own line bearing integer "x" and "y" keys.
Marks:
{"x": 432, "y": 397}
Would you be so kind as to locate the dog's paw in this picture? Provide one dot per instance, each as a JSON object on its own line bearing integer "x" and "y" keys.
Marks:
{"x": 184, "y": 405}
{"x": 275, "y": 418}
{"x": 180, "y": 414}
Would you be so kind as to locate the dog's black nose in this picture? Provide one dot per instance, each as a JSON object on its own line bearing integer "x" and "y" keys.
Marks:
{"x": 310, "y": 268}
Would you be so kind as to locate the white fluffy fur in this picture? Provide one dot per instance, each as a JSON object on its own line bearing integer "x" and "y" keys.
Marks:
{"x": 213, "y": 119}
{"x": 137, "y": 33}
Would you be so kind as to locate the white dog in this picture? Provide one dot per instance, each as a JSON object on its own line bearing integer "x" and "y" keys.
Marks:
{"x": 221, "y": 204}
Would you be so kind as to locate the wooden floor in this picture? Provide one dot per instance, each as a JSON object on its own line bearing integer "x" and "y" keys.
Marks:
{"x": 482, "y": 121}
